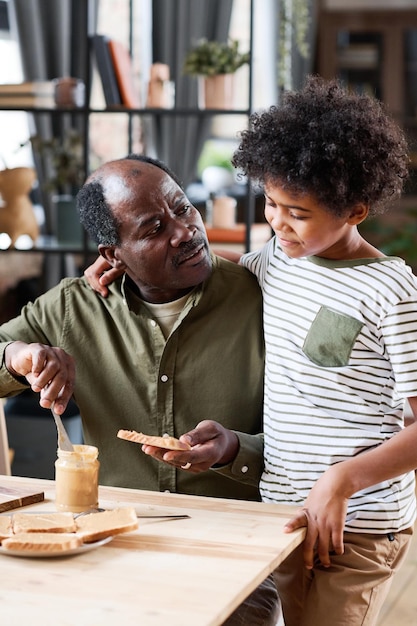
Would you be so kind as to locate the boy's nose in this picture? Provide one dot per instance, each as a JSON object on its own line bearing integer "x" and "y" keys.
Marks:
{"x": 275, "y": 218}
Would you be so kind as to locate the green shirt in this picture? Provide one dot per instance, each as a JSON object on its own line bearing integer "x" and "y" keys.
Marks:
{"x": 130, "y": 377}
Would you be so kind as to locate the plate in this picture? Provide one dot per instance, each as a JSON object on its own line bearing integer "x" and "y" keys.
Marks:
{"x": 86, "y": 547}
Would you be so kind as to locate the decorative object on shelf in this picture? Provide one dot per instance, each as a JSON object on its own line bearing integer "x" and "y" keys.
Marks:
{"x": 161, "y": 90}
{"x": 17, "y": 217}
{"x": 69, "y": 92}
{"x": 216, "y": 180}
{"x": 214, "y": 63}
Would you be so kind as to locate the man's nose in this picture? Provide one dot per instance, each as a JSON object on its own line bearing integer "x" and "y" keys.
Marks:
{"x": 181, "y": 232}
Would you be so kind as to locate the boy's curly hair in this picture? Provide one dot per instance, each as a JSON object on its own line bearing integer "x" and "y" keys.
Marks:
{"x": 340, "y": 147}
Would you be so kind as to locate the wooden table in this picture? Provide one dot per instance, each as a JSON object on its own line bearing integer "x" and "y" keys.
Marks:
{"x": 189, "y": 572}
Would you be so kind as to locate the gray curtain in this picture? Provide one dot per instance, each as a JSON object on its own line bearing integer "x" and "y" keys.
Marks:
{"x": 177, "y": 26}
{"x": 301, "y": 66}
{"x": 54, "y": 43}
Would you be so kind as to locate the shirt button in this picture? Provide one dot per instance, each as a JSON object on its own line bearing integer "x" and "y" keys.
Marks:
{"x": 244, "y": 469}
{"x": 153, "y": 323}
{"x": 164, "y": 378}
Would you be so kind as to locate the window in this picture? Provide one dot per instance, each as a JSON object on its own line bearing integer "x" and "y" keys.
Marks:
{"x": 14, "y": 126}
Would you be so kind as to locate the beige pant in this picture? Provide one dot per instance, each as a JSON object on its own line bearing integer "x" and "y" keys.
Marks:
{"x": 348, "y": 593}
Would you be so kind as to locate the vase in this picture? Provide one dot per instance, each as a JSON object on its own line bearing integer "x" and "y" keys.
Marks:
{"x": 68, "y": 226}
{"x": 216, "y": 92}
{"x": 224, "y": 212}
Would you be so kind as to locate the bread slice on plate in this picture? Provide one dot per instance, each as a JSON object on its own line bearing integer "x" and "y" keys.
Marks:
{"x": 42, "y": 542}
{"x": 95, "y": 526}
{"x": 6, "y": 528}
{"x": 44, "y": 523}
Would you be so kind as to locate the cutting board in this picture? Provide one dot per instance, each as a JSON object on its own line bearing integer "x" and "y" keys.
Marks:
{"x": 14, "y": 498}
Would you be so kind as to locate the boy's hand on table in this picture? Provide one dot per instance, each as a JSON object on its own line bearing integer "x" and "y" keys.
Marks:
{"x": 324, "y": 515}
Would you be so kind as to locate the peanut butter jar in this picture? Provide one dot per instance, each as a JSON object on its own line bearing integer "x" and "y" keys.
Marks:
{"x": 76, "y": 479}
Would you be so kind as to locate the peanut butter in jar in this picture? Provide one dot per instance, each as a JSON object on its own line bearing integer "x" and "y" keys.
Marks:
{"x": 76, "y": 479}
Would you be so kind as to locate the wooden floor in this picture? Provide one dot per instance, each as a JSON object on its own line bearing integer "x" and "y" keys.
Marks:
{"x": 400, "y": 608}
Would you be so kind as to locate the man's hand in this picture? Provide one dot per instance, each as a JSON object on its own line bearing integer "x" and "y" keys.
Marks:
{"x": 100, "y": 274}
{"x": 211, "y": 444}
{"x": 49, "y": 371}
{"x": 324, "y": 514}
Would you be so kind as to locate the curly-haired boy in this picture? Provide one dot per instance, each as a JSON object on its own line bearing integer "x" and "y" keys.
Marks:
{"x": 341, "y": 339}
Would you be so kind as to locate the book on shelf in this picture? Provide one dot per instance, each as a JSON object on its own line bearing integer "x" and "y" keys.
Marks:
{"x": 105, "y": 68}
{"x": 28, "y": 88}
{"x": 21, "y": 101}
{"x": 122, "y": 64}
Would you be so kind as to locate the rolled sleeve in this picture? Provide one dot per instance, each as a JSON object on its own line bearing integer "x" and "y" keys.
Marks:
{"x": 248, "y": 465}
{"x": 10, "y": 385}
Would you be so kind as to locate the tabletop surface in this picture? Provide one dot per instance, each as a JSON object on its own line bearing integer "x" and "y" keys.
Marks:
{"x": 167, "y": 572}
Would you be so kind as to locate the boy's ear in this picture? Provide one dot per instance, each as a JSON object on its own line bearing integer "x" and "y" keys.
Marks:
{"x": 110, "y": 253}
{"x": 358, "y": 214}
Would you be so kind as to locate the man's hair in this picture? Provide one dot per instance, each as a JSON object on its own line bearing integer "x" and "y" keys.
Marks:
{"x": 96, "y": 214}
{"x": 340, "y": 147}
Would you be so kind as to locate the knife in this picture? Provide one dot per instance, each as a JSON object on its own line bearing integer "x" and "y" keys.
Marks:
{"x": 163, "y": 516}
{"x": 139, "y": 515}
{"x": 180, "y": 516}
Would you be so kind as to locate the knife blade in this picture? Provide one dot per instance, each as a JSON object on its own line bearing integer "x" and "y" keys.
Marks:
{"x": 163, "y": 516}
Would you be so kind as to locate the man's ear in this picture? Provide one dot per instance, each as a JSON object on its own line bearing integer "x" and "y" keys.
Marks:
{"x": 111, "y": 254}
{"x": 358, "y": 214}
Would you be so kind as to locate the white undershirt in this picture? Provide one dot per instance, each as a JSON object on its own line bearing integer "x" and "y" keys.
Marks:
{"x": 166, "y": 314}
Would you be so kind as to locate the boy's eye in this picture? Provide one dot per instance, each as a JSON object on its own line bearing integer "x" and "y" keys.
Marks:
{"x": 296, "y": 216}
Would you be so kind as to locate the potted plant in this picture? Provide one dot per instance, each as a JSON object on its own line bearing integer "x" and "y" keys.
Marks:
{"x": 394, "y": 234}
{"x": 61, "y": 161}
{"x": 63, "y": 158}
{"x": 215, "y": 63}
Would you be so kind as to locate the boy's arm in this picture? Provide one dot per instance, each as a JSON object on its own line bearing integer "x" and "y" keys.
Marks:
{"x": 230, "y": 255}
{"x": 100, "y": 274}
{"x": 324, "y": 511}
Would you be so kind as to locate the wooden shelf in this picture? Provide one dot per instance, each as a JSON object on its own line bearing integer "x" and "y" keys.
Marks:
{"x": 236, "y": 237}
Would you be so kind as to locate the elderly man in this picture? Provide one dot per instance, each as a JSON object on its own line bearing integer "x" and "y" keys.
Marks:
{"x": 176, "y": 348}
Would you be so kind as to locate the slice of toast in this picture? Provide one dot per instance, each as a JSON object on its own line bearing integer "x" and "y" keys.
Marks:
{"x": 95, "y": 526}
{"x": 42, "y": 542}
{"x": 6, "y": 527}
{"x": 168, "y": 443}
{"x": 44, "y": 523}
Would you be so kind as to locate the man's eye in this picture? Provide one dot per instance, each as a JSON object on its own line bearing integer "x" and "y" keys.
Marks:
{"x": 184, "y": 209}
{"x": 154, "y": 229}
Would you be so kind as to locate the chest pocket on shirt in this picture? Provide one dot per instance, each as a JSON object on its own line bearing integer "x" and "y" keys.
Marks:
{"x": 331, "y": 337}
